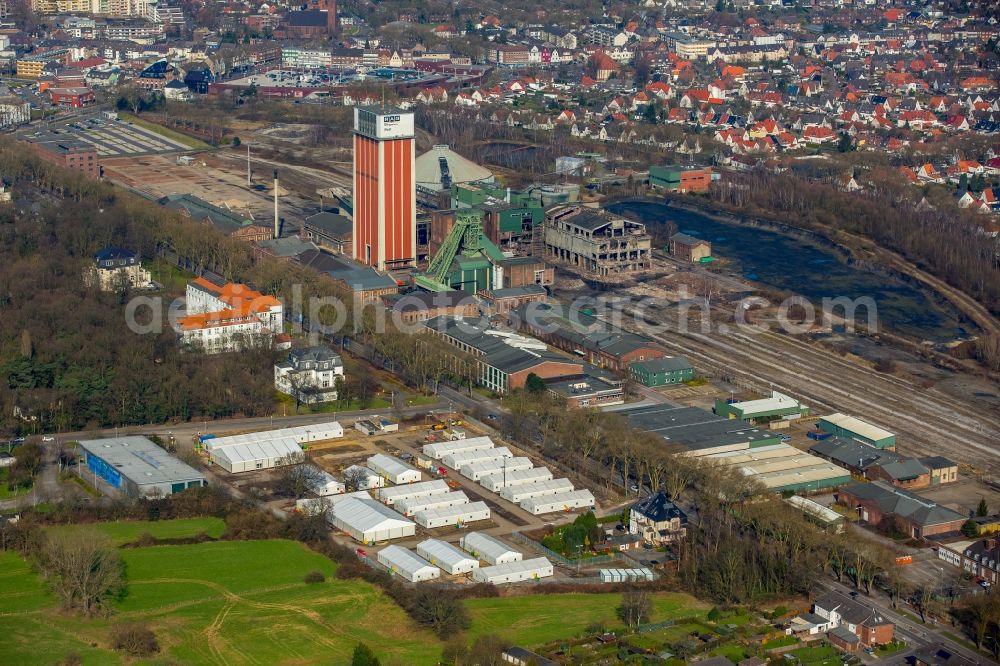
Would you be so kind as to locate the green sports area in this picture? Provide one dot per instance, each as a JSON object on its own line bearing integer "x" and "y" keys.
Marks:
{"x": 245, "y": 602}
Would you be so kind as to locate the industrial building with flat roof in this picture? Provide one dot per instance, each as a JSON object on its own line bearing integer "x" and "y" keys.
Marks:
{"x": 138, "y": 467}
{"x": 698, "y": 432}
{"x": 775, "y": 408}
{"x": 850, "y": 427}
{"x": 783, "y": 468}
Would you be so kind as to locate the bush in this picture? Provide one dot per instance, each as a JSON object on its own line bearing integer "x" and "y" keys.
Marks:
{"x": 145, "y": 540}
{"x": 137, "y": 640}
{"x": 314, "y": 577}
{"x": 714, "y": 615}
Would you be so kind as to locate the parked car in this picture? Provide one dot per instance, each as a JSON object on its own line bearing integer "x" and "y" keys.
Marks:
{"x": 48, "y": 438}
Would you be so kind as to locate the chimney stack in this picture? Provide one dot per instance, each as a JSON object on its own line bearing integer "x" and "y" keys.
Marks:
{"x": 277, "y": 220}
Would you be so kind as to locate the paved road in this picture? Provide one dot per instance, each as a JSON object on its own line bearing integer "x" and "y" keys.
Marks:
{"x": 193, "y": 428}
{"x": 915, "y": 634}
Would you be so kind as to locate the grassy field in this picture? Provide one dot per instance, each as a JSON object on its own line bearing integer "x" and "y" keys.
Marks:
{"x": 245, "y": 602}
{"x": 173, "y": 279}
{"x": 5, "y": 492}
{"x": 535, "y": 620}
{"x": 129, "y": 530}
{"x": 819, "y": 655}
{"x": 216, "y": 603}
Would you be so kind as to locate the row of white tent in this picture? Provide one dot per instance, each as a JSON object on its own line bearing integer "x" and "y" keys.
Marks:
{"x": 433, "y": 504}
{"x": 269, "y": 448}
{"x": 301, "y": 434}
{"x": 514, "y": 477}
{"x": 505, "y": 565}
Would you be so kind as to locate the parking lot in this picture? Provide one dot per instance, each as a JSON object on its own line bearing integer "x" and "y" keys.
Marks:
{"x": 115, "y": 138}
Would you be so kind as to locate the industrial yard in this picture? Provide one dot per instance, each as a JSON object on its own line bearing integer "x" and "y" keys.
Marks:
{"x": 935, "y": 411}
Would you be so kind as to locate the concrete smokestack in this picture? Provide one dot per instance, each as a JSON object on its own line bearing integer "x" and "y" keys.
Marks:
{"x": 277, "y": 220}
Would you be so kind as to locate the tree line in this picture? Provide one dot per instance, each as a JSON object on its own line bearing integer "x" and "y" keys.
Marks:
{"x": 946, "y": 242}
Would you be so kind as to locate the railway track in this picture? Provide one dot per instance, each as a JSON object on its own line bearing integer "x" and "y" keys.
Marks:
{"x": 928, "y": 421}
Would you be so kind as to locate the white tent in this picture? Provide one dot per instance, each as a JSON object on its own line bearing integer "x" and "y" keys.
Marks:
{"x": 514, "y": 572}
{"x": 370, "y": 481}
{"x": 312, "y": 506}
{"x": 408, "y": 506}
{"x": 404, "y": 563}
{"x": 518, "y": 494}
{"x": 392, "y": 469}
{"x": 333, "y": 500}
{"x": 497, "y": 482}
{"x": 435, "y": 487}
{"x": 440, "y": 449}
{"x": 252, "y": 456}
{"x": 301, "y": 434}
{"x": 489, "y": 549}
{"x": 574, "y": 499}
{"x": 321, "y": 483}
{"x": 476, "y": 471}
{"x": 442, "y": 554}
{"x": 459, "y": 460}
{"x": 460, "y": 514}
{"x": 368, "y": 521}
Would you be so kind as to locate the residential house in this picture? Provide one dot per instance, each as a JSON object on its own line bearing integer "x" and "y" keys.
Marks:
{"x": 310, "y": 375}
{"x": 114, "y": 268}
{"x": 859, "y": 622}
{"x": 657, "y": 519}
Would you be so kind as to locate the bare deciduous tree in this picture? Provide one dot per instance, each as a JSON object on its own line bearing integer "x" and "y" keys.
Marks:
{"x": 635, "y": 607}
{"x": 83, "y": 569}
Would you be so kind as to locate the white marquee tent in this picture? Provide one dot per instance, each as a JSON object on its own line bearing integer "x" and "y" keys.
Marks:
{"x": 301, "y": 434}
{"x": 574, "y": 499}
{"x": 489, "y": 549}
{"x": 514, "y": 572}
{"x": 368, "y": 521}
{"x": 404, "y": 563}
{"x": 321, "y": 483}
{"x": 440, "y": 449}
{"x": 252, "y": 456}
{"x": 442, "y": 554}
{"x": 370, "y": 481}
{"x": 460, "y": 514}
{"x": 392, "y": 469}
{"x": 476, "y": 471}
{"x": 496, "y": 482}
{"x": 518, "y": 494}
{"x": 459, "y": 460}
{"x": 423, "y": 489}
{"x": 408, "y": 506}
